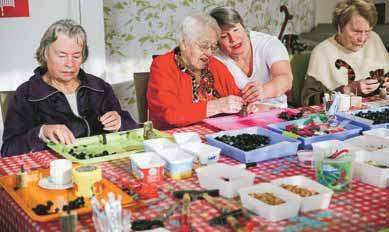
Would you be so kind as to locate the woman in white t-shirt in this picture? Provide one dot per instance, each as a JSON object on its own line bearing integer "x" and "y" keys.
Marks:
{"x": 344, "y": 61}
{"x": 259, "y": 62}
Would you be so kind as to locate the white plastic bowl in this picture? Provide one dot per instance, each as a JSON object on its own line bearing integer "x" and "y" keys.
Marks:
{"x": 319, "y": 201}
{"x": 215, "y": 176}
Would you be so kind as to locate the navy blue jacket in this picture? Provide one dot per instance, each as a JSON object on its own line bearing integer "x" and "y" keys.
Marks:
{"x": 37, "y": 103}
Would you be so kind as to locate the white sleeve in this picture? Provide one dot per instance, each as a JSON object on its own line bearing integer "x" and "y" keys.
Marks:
{"x": 275, "y": 51}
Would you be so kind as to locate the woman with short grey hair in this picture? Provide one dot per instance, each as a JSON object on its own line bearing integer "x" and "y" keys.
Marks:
{"x": 259, "y": 62}
{"x": 345, "y": 60}
{"x": 67, "y": 27}
{"x": 61, "y": 102}
{"x": 188, "y": 84}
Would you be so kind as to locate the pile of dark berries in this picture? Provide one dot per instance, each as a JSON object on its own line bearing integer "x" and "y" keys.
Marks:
{"x": 75, "y": 204}
{"x": 288, "y": 115}
{"x": 42, "y": 209}
{"x": 378, "y": 117}
{"x": 81, "y": 155}
{"x": 246, "y": 142}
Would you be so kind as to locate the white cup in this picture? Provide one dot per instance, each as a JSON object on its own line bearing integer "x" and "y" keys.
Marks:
{"x": 345, "y": 102}
{"x": 61, "y": 171}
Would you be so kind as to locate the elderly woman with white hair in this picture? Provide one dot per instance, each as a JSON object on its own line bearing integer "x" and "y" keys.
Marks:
{"x": 188, "y": 84}
{"x": 352, "y": 61}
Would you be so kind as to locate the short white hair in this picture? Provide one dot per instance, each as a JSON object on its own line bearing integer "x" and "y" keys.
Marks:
{"x": 193, "y": 26}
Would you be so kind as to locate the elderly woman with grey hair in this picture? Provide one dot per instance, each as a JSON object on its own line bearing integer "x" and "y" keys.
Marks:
{"x": 345, "y": 60}
{"x": 61, "y": 102}
{"x": 188, "y": 84}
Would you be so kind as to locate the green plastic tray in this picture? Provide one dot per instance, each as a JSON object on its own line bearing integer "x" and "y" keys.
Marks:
{"x": 119, "y": 145}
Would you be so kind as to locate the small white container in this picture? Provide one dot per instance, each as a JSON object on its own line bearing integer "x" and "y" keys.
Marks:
{"x": 371, "y": 174}
{"x": 191, "y": 143}
{"x": 359, "y": 158}
{"x": 305, "y": 158}
{"x": 159, "y": 144}
{"x": 147, "y": 166}
{"x": 368, "y": 143}
{"x": 270, "y": 212}
{"x": 378, "y": 132}
{"x": 344, "y": 102}
{"x": 227, "y": 179}
{"x": 325, "y": 148}
{"x": 178, "y": 163}
{"x": 319, "y": 201}
{"x": 204, "y": 153}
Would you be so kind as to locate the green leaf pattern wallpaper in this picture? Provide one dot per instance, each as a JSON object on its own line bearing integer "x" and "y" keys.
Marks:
{"x": 137, "y": 29}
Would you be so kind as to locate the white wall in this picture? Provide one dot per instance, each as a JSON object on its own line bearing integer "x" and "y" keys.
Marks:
{"x": 20, "y": 37}
{"x": 323, "y": 10}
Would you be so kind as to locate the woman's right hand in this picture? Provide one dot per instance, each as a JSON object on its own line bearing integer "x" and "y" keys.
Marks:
{"x": 58, "y": 133}
{"x": 229, "y": 105}
{"x": 368, "y": 85}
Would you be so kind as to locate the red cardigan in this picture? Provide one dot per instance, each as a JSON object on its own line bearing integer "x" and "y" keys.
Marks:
{"x": 169, "y": 92}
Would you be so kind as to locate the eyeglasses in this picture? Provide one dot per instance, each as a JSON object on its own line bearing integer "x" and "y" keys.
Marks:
{"x": 206, "y": 46}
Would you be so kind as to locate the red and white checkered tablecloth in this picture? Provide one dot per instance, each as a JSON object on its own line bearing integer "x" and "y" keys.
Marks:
{"x": 364, "y": 208}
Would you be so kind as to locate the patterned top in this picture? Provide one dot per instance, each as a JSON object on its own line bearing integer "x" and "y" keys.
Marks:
{"x": 202, "y": 89}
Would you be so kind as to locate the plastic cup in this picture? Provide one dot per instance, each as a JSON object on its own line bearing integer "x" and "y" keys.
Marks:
{"x": 61, "y": 171}
{"x": 334, "y": 173}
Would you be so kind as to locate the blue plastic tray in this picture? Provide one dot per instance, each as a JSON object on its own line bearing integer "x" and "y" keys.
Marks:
{"x": 306, "y": 142}
{"x": 361, "y": 122}
{"x": 279, "y": 145}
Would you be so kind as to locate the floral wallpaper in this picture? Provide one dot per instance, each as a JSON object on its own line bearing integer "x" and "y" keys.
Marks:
{"x": 137, "y": 29}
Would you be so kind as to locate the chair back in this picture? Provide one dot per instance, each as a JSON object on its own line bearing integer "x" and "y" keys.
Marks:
{"x": 5, "y": 98}
{"x": 140, "y": 82}
{"x": 299, "y": 63}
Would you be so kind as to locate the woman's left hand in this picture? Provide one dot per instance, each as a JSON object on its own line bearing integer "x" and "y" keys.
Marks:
{"x": 252, "y": 92}
{"x": 111, "y": 121}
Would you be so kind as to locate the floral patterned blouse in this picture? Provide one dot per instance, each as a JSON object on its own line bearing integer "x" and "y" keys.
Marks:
{"x": 202, "y": 89}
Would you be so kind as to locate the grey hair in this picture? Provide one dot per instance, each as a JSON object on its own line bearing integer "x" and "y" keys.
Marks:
{"x": 193, "y": 26}
{"x": 64, "y": 26}
{"x": 345, "y": 9}
{"x": 226, "y": 17}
